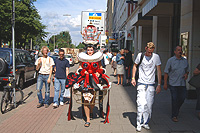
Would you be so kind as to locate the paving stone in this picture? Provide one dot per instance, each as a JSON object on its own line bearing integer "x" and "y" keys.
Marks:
{"x": 27, "y": 118}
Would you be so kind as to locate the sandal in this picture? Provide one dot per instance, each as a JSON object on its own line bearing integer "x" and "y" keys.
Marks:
{"x": 87, "y": 124}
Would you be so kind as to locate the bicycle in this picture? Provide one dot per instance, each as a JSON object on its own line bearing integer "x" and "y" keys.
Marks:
{"x": 7, "y": 100}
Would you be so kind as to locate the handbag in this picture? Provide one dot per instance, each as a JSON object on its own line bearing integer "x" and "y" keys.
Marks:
{"x": 195, "y": 81}
{"x": 137, "y": 71}
{"x": 67, "y": 93}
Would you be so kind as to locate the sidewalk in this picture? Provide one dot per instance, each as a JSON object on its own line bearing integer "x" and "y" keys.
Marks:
{"x": 122, "y": 117}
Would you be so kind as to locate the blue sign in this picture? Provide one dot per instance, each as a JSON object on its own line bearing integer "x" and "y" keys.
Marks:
{"x": 94, "y": 14}
{"x": 115, "y": 35}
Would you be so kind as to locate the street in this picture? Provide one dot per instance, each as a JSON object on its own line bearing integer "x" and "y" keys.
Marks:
{"x": 28, "y": 118}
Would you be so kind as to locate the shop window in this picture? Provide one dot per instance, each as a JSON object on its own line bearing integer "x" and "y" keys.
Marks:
{"x": 185, "y": 43}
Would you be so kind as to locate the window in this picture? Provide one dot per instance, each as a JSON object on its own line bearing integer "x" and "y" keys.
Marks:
{"x": 5, "y": 56}
{"x": 17, "y": 58}
{"x": 28, "y": 57}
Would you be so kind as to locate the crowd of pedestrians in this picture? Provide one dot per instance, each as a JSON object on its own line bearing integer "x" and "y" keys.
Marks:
{"x": 175, "y": 75}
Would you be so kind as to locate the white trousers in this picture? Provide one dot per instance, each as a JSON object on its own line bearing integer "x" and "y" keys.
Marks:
{"x": 145, "y": 99}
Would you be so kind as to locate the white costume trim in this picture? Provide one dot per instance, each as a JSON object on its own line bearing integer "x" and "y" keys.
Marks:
{"x": 90, "y": 42}
{"x": 96, "y": 57}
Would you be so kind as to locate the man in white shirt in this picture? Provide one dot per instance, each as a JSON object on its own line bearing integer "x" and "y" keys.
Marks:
{"x": 146, "y": 84}
{"x": 106, "y": 59}
{"x": 45, "y": 66}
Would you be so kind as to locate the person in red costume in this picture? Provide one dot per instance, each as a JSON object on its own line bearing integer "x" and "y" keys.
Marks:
{"x": 88, "y": 108}
{"x": 90, "y": 79}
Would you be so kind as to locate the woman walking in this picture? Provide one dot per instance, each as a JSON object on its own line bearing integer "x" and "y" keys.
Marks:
{"x": 120, "y": 66}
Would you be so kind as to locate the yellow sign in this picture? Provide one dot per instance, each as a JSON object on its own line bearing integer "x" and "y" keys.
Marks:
{"x": 106, "y": 41}
{"x": 95, "y": 17}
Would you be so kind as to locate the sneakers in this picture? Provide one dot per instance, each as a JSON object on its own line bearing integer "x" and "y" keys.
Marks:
{"x": 174, "y": 119}
{"x": 139, "y": 128}
{"x": 61, "y": 103}
{"x": 46, "y": 105}
{"x": 39, "y": 105}
{"x": 146, "y": 126}
{"x": 55, "y": 105}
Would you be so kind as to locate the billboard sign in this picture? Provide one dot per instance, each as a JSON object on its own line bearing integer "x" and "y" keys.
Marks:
{"x": 95, "y": 18}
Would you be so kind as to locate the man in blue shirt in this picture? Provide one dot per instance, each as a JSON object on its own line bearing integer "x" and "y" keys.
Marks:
{"x": 177, "y": 70}
{"x": 61, "y": 72}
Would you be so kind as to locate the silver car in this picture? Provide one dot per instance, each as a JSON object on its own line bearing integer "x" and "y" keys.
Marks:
{"x": 69, "y": 57}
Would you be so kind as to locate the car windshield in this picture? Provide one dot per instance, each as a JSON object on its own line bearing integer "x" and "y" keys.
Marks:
{"x": 68, "y": 56}
{"x": 5, "y": 56}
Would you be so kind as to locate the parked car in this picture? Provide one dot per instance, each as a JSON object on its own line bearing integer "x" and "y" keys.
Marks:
{"x": 70, "y": 59}
{"x": 75, "y": 56}
{"x": 32, "y": 52}
{"x": 54, "y": 56}
{"x": 24, "y": 65}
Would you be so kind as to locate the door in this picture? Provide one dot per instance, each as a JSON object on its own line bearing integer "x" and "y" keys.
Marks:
{"x": 29, "y": 65}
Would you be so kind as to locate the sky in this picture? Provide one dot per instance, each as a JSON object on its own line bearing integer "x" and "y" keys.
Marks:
{"x": 52, "y": 11}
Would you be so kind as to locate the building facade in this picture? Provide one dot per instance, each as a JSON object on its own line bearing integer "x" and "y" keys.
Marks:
{"x": 167, "y": 23}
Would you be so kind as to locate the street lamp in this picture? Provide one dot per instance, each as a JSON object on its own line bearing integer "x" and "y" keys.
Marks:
{"x": 13, "y": 43}
{"x": 54, "y": 38}
{"x": 67, "y": 15}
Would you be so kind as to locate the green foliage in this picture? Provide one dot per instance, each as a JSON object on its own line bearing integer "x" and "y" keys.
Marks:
{"x": 61, "y": 41}
{"x": 27, "y": 22}
{"x": 80, "y": 46}
{"x": 72, "y": 46}
{"x": 5, "y": 20}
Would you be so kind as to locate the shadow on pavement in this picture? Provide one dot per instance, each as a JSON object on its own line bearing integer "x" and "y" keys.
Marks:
{"x": 29, "y": 83}
{"x": 27, "y": 96}
{"x": 78, "y": 114}
{"x": 131, "y": 116}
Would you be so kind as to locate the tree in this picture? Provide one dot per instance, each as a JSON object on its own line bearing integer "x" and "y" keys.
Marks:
{"x": 61, "y": 41}
{"x": 27, "y": 22}
{"x": 72, "y": 46}
{"x": 80, "y": 45}
{"x": 5, "y": 20}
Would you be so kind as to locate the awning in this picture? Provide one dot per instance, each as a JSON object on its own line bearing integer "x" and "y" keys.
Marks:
{"x": 159, "y": 8}
{"x": 139, "y": 20}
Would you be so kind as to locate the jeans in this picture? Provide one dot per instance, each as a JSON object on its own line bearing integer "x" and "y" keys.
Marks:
{"x": 57, "y": 84}
{"x": 145, "y": 99}
{"x": 178, "y": 95}
{"x": 43, "y": 79}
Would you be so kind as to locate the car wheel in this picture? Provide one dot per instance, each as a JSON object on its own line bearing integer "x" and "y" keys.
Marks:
{"x": 21, "y": 82}
{"x": 3, "y": 66}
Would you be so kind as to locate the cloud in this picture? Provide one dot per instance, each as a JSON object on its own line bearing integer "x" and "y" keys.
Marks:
{"x": 52, "y": 12}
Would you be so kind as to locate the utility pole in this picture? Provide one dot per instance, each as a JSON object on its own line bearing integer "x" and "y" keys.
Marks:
{"x": 13, "y": 43}
{"x": 54, "y": 39}
{"x": 31, "y": 48}
{"x": 54, "y": 42}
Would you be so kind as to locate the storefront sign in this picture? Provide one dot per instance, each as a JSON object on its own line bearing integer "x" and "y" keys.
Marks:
{"x": 129, "y": 35}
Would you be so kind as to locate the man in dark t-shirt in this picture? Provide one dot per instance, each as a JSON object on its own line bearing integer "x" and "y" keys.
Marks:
{"x": 128, "y": 65}
{"x": 61, "y": 72}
